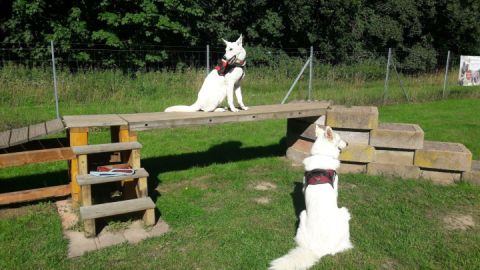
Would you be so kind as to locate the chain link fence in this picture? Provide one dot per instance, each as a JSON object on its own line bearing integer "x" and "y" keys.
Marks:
{"x": 92, "y": 78}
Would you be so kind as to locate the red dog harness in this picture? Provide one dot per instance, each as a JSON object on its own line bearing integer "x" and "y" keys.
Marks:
{"x": 223, "y": 67}
{"x": 318, "y": 176}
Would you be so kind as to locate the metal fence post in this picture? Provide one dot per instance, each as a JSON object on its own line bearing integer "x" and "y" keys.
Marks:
{"x": 296, "y": 80}
{"x": 385, "y": 89}
{"x": 446, "y": 75}
{"x": 208, "y": 58}
{"x": 311, "y": 74}
{"x": 54, "y": 80}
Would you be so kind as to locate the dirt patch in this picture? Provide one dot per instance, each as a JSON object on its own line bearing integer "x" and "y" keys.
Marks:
{"x": 13, "y": 212}
{"x": 262, "y": 200}
{"x": 263, "y": 186}
{"x": 198, "y": 182}
{"x": 67, "y": 214}
{"x": 389, "y": 264}
{"x": 456, "y": 221}
{"x": 7, "y": 213}
{"x": 347, "y": 186}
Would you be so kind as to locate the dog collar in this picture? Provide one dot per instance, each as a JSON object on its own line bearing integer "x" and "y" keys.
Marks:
{"x": 318, "y": 176}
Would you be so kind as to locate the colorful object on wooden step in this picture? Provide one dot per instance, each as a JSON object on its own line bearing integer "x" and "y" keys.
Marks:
{"x": 113, "y": 172}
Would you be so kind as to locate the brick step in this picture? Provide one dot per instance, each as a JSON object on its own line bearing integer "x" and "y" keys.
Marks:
{"x": 354, "y": 117}
{"x": 396, "y": 135}
{"x": 358, "y": 153}
{"x": 104, "y": 148}
{"x": 443, "y": 156}
{"x": 473, "y": 176}
{"x": 116, "y": 208}
{"x": 83, "y": 180}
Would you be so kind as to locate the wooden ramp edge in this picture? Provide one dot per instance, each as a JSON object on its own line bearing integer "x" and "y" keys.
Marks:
{"x": 17, "y": 136}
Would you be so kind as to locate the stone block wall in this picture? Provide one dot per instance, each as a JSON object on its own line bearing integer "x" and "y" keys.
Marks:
{"x": 389, "y": 149}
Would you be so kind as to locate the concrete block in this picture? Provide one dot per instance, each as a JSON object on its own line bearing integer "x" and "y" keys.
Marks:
{"x": 358, "y": 153}
{"x": 106, "y": 239}
{"x": 79, "y": 244}
{"x": 299, "y": 151}
{"x": 354, "y": 136}
{"x": 350, "y": 136}
{"x": 160, "y": 228}
{"x": 355, "y": 117}
{"x": 400, "y": 136}
{"x": 390, "y": 156}
{"x": 347, "y": 167}
{"x": 393, "y": 170}
{"x": 135, "y": 232}
{"x": 440, "y": 177}
{"x": 297, "y": 126}
{"x": 443, "y": 156}
{"x": 472, "y": 176}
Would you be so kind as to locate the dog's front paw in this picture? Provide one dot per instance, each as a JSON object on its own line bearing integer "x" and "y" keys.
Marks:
{"x": 220, "y": 110}
{"x": 245, "y": 108}
{"x": 234, "y": 109}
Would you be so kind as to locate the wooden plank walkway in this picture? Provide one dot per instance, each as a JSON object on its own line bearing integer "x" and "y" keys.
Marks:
{"x": 94, "y": 120}
{"x": 155, "y": 120}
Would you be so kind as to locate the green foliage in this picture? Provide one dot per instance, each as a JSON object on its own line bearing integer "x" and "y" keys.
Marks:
{"x": 341, "y": 31}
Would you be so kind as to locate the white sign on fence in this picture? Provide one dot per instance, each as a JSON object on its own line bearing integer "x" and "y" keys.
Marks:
{"x": 469, "y": 73}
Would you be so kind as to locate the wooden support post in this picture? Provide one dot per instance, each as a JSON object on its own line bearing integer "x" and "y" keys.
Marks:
{"x": 149, "y": 217}
{"x": 142, "y": 183}
{"x": 142, "y": 192}
{"x": 122, "y": 134}
{"x": 119, "y": 134}
{"x": 88, "y": 224}
{"x": 77, "y": 136}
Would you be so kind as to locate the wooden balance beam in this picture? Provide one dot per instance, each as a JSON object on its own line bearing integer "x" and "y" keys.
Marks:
{"x": 156, "y": 120}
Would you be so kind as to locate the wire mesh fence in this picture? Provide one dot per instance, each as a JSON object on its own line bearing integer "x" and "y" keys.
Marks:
{"x": 93, "y": 78}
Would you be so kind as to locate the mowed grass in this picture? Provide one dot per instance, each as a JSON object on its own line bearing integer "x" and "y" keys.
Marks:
{"x": 205, "y": 182}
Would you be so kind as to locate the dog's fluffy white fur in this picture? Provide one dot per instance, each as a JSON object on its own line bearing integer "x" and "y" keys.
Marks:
{"x": 324, "y": 228}
{"x": 215, "y": 87}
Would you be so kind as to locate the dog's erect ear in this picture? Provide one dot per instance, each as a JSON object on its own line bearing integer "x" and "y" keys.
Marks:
{"x": 318, "y": 131}
{"x": 224, "y": 41}
{"x": 329, "y": 133}
{"x": 240, "y": 40}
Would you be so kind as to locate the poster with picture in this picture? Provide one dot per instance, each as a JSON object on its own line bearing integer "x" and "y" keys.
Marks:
{"x": 469, "y": 73}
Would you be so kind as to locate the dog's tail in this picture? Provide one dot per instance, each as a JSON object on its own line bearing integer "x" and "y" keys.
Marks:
{"x": 297, "y": 258}
{"x": 183, "y": 108}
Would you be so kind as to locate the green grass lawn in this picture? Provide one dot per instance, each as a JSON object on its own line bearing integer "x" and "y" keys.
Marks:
{"x": 205, "y": 180}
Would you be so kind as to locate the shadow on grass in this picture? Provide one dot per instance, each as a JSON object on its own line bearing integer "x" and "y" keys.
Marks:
{"x": 48, "y": 179}
{"x": 298, "y": 201}
{"x": 225, "y": 152}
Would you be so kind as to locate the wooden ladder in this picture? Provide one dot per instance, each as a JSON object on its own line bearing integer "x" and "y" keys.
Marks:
{"x": 138, "y": 181}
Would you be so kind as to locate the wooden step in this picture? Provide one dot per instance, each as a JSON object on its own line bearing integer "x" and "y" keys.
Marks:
{"x": 116, "y": 208}
{"x": 104, "y": 148}
{"x": 92, "y": 180}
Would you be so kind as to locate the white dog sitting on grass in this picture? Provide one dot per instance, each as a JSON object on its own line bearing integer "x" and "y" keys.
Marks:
{"x": 324, "y": 228}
